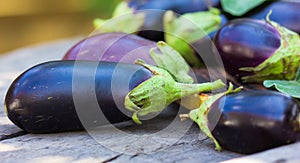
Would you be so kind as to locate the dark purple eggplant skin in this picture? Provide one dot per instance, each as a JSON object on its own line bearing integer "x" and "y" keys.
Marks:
{"x": 284, "y": 12}
{"x": 41, "y": 100}
{"x": 153, "y": 28}
{"x": 253, "y": 121}
{"x": 245, "y": 43}
{"x": 179, "y": 6}
{"x": 112, "y": 47}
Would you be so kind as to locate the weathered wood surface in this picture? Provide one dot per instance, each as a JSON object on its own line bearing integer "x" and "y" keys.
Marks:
{"x": 130, "y": 143}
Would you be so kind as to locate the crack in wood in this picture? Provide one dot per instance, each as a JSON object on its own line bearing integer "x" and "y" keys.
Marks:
{"x": 113, "y": 158}
{"x": 14, "y": 135}
{"x": 135, "y": 155}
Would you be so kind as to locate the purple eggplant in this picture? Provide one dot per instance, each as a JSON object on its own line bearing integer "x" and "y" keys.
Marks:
{"x": 257, "y": 50}
{"x": 154, "y": 20}
{"x": 111, "y": 47}
{"x": 245, "y": 43}
{"x": 151, "y": 23}
{"x": 284, "y": 12}
{"x": 61, "y": 96}
{"x": 248, "y": 121}
{"x": 149, "y": 19}
{"x": 178, "y": 6}
{"x": 126, "y": 48}
{"x": 41, "y": 99}
{"x": 253, "y": 121}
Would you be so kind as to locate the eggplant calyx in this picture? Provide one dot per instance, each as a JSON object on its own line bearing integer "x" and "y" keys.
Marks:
{"x": 283, "y": 64}
{"x": 156, "y": 93}
{"x": 122, "y": 16}
{"x": 182, "y": 31}
{"x": 199, "y": 115}
{"x": 168, "y": 58}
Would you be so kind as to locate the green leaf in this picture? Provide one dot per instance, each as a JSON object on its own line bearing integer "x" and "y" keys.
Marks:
{"x": 168, "y": 58}
{"x": 239, "y": 7}
{"x": 291, "y": 88}
{"x": 188, "y": 28}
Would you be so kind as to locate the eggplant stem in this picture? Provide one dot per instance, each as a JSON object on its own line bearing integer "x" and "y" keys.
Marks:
{"x": 189, "y": 89}
{"x": 268, "y": 16}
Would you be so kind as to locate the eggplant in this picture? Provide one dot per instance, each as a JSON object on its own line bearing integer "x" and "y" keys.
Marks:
{"x": 248, "y": 121}
{"x": 146, "y": 17}
{"x": 284, "y": 12}
{"x": 112, "y": 47}
{"x": 245, "y": 43}
{"x": 126, "y": 48}
{"x": 256, "y": 50}
{"x": 150, "y": 19}
{"x": 252, "y": 121}
{"x": 61, "y": 96}
{"x": 153, "y": 20}
{"x": 179, "y": 6}
{"x": 41, "y": 100}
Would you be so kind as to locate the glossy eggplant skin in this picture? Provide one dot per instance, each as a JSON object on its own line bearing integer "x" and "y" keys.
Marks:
{"x": 111, "y": 47}
{"x": 245, "y": 43}
{"x": 254, "y": 121}
{"x": 42, "y": 99}
{"x": 284, "y": 12}
{"x": 179, "y": 6}
{"x": 155, "y": 9}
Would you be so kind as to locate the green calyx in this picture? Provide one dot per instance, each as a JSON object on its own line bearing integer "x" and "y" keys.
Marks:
{"x": 283, "y": 64}
{"x": 182, "y": 31}
{"x": 156, "y": 93}
{"x": 199, "y": 115}
{"x": 169, "y": 59}
{"x": 122, "y": 16}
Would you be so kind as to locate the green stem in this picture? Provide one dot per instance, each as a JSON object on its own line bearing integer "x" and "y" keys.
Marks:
{"x": 156, "y": 93}
{"x": 189, "y": 89}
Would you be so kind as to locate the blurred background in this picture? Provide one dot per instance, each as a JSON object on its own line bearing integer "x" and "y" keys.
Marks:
{"x": 28, "y": 22}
